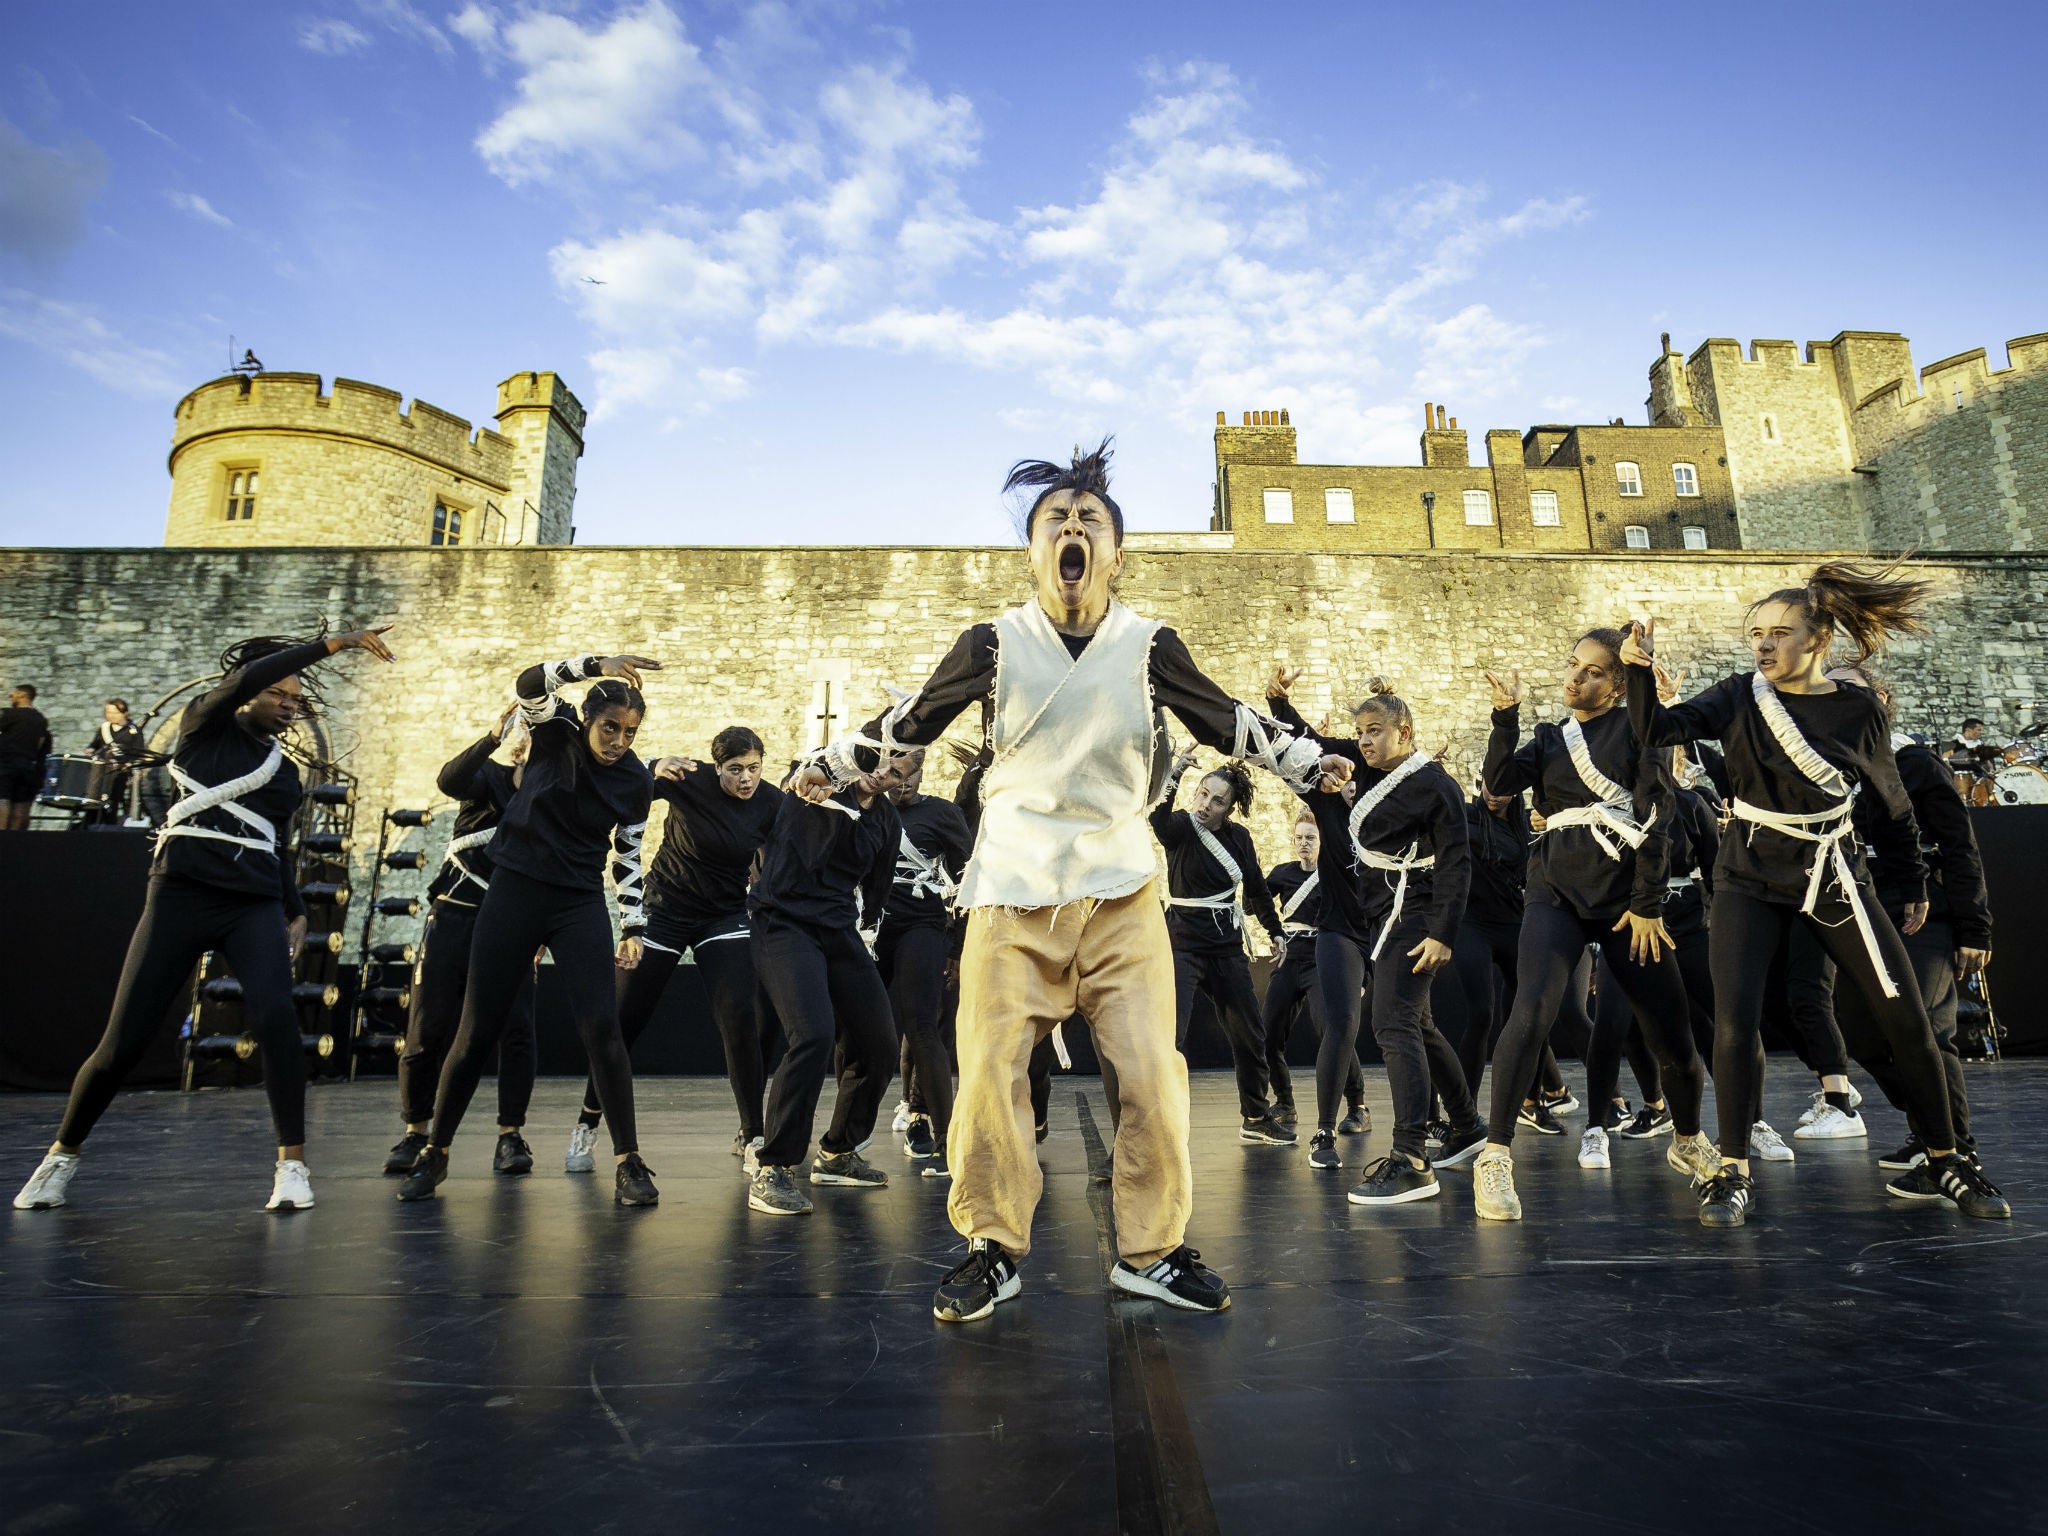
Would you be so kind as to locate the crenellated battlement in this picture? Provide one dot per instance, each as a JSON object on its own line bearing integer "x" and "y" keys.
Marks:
{"x": 1954, "y": 382}
{"x": 297, "y": 403}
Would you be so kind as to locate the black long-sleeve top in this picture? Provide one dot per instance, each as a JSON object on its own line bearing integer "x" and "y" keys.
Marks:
{"x": 215, "y": 748}
{"x": 121, "y": 743}
{"x": 1500, "y": 861}
{"x": 1847, "y": 727}
{"x": 1568, "y": 868}
{"x": 572, "y": 807}
{"x": 937, "y": 829}
{"x": 818, "y": 856}
{"x": 1192, "y": 870}
{"x": 1695, "y": 838}
{"x": 1949, "y": 847}
{"x": 708, "y": 844}
{"x": 1425, "y": 810}
{"x": 1283, "y": 880}
{"x": 481, "y": 788}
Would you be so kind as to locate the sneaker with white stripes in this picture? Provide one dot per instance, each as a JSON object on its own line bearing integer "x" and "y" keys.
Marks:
{"x": 45, "y": 1187}
{"x": 900, "y": 1121}
{"x": 1832, "y": 1125}
{"x": 1726, "y": 1199}
{"x": 1180, "y": 1279}
{"x": 1767, "y": 1145}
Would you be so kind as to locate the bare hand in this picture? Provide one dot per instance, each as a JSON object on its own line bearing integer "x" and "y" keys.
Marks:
{"x": 1648, "y": 938}
{"x": 1507, "y": 691}
{"x": 1538, "y": 822}
{"x": 1970, "y": 961}
{"x": 1434, "y": 956}
{"x": 295, "y": 930}
{"x": 505, "y": 722}
{"x": 811, "y": 783}
{"x": 674, "y": 767}
{"x": 1916, "y": 917}
{"x": 628, "y": 956}
{"x": 1183, "y": 760}
{"x": 1336, "y": 772}
{"x": 1638, "y": 648}
{"x": 371, "y": 640}
{"x": 627, "y": 667}
{"x": 1283, "y": 678}
{"x": 1667, "y": 682}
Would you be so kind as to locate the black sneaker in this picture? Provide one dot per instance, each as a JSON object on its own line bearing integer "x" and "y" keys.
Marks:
{"x": 1284, "y": 1113}
{"x": 429, "y": 1172}
{"x": 1393, "y": 1180}
{"x": 1433, "y": 1135}
{"x": 1268, "y": 1130}
{"x": 935, "y": 1166}
{"x": 1460, "y": 1147}
{"x": 1180, "y": 1280}
{"x": 1726, "y": 1198}
{"x": 406, "y": 1153}
{"x": 1322, "y": 1151}
{"x": 1956, "y": 1180}
{"x": 976, "y": 1288}
{"x": 772, "y": 1191}
{"x": 919, "y": 1141}
{"x": 1041, "y": 1133}
{"x": 1911, "y": 1155}
{"x": 513, "y": 1154}
{"x": 1562, "y": 1104}
{"x": 1356, "y": 1122}
{"x": 1539, "y": 1119}
{"x": 1645, "y": 1123}
{"x": 848, "y": 1168}
{"x": 635, "y": 1183}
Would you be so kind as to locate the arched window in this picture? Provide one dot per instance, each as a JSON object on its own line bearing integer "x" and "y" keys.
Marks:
{"x": 241, "y": 493}
{"x": 447, "y": 524}
{"x": 1695, "y": 538}
{"x": 1628, "y": 478}
{"x": 1279, "y": 506}
{"x": 1770, "y": 426}
{"x": 1685, "y": 479}
{"x": 1636, "y": 536}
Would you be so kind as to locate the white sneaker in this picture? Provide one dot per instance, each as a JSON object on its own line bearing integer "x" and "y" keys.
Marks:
{"x": 292, "y": 1188}
{"x": 1820, "y": 1102}
{"x": 1767, "y": 1145}
{"x": 750, "y": 1160}
{"x": 1593, "y": 1148}
{"x": 1694, "y": 1156}
{"x": 1493, "y": 1186}
{"x": 900, "y": 1121}
{"x": 1832, "y": 1125}
{"x": 580, "y": 1158}
{"x": 45, "y": 1187}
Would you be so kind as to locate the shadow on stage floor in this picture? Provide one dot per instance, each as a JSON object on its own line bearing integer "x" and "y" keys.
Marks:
{"x": 521, "y": 1355}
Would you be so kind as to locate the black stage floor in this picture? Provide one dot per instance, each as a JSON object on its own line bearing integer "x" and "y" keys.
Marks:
{"x": 523, "y": 1356}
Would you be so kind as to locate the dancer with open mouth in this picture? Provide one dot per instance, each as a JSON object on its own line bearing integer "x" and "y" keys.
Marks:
{"x": 1062, "y": 909}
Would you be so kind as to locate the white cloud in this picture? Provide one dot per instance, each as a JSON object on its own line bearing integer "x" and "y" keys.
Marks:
{"x": 77, "y": 336}
{"x": 199, "y": 208}
{"x": 44, "y": 192}
{"x": 332, "y": 35}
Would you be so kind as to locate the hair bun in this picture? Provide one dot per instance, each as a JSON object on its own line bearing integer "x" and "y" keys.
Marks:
{"x": 1378, "y": 684}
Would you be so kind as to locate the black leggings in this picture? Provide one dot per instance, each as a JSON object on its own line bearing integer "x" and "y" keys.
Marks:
{"x": 1800, "y": 1002}
{"x": 1415, "y": 1053}
{"x": 912, "y": 960}
{"x": 439, "y": 983}
{"x": 1287, "y": 993}
{"x": 1617, "y": 1034}
{"x": 724, "y": 956}
{"x": 519, "y": 916}
{"x": 1554, "y": 940}
{"x": 181, "y": 920}
{"x": 823, "y": 983}
{"x": 1747, "y": 932}
{"x": 1226, "y": 976}
{"x": 1933, "y": 951}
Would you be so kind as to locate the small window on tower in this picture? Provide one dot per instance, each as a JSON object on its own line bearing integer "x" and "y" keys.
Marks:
{"x": 1543, "y": 509}
{"x": 1695, "y": 538}
{"x": 447, "y": 524}
{"x": 1279, "y": 506}
{"x": 1337, "y": 506}
{"x": 241, "y": 494}
{"x": 1770, "y": 423}
{"x": 1636, "y": 536}
{"x": 1628, "y": 478}
{"x": 1685, "y": 479}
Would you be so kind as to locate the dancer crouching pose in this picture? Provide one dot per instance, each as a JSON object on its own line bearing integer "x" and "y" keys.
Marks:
{"x": 718, "y": 818}
{"x": 1209, "y": 856}
{"x": 482, "y": 788}
{"x": 1596, "y": 876}
{"x": 581, "y": 794}
{"x": 220, "y": 882}
{"x": 827, "y": 862}
{"x": 1801, "y": 750}
{"x": 1062, "y": 910}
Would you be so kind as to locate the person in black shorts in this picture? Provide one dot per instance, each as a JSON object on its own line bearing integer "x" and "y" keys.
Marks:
{"x": 24, "y": 744}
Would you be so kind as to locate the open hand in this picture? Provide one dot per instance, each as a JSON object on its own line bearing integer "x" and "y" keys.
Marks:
{"x": 295, "y": 930}
{"x": 628, "y": 667}
{"x": 1648, "y": 938}
{"x": 674, "y": 767}
{"x": 1507, "y": 691}
{"x": 1432, "y": 954}
{"x": 1281, "y": 681}
{"x": 1639, "y": 647}
{"x": 371, "y": 640}
{"x": 1667, "y": 682}
{"x": 1916, "y": 917}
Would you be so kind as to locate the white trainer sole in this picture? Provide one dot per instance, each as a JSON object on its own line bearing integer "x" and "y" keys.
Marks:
{"x": 1008, "y": 1290}
{"x": 1420, "y": 1192}
{"x": 1137, "y": 1285}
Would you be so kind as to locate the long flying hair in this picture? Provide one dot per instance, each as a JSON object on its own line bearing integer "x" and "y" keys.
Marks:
{"x": 1086, "y": 472}
{"x": 1869, "y": 606}
{"x": 256, "y": 647}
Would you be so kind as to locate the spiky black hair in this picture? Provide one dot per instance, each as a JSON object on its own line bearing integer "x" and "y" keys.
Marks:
{"x": 1087, "y": 472}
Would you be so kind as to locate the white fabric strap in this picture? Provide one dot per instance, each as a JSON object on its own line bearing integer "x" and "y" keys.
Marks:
{"x": 1293, "y": 903}
{"x": 195, "y": 799}
{"x": 1400, "y": 865}
{"x": 626, "y": 876}
{"x": 1611, "y": 819}
{"x": 1369, "y": 802}
{"x": 922, "y": 876}
{"x": 458, "y": 846}
{"x": 1059, "y": 1047}
{"x": 1295, "y": 760}
{"x": 1828, "y": 830}
{"x": 1226, "y": 900}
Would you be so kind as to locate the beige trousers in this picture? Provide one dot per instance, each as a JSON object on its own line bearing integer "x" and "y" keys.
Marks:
{"x": 1022, "y": 972}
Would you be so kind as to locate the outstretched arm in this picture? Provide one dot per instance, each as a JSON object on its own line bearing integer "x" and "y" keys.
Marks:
{"x": 1217, "y": 720}
{"x": 244, "y": 683}
{"x": 537, "y": 685}
{"x": 1704, "y": 718}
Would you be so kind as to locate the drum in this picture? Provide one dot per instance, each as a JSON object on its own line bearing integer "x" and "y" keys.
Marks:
{"x": 2023, "y": 785}
{"x": 68, "y": 782}
{"x": 1974, "y": 788}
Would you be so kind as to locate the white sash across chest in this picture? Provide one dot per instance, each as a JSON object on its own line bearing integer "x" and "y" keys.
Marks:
{"x": 1398, "y": 864}
{"x": 196, "y": 799}
{"x": 1612, "y": 814}
{"x": 1228, "y": 899}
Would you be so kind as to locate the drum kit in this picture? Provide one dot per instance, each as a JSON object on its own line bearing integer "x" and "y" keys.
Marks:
{"x": 97, "y": 791}
{"x": 2018, "y": 777}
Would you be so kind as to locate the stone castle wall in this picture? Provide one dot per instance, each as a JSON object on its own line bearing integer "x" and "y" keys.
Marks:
{"x": 747, "y": 633}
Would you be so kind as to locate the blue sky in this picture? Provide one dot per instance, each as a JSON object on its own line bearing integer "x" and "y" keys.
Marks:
{"x": 855, "y": 258}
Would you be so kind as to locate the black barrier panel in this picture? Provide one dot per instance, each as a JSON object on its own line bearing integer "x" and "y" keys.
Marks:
{"x": 2015, "y": 843}
{"x": 68, "y": 903}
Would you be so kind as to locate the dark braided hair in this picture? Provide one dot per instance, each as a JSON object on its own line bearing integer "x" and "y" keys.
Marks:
{"x": 611, "y": 693}
{"x": 256, "y": 647}
{"x": 1233, "y": 773}
{"x": 1086, "y": 472}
